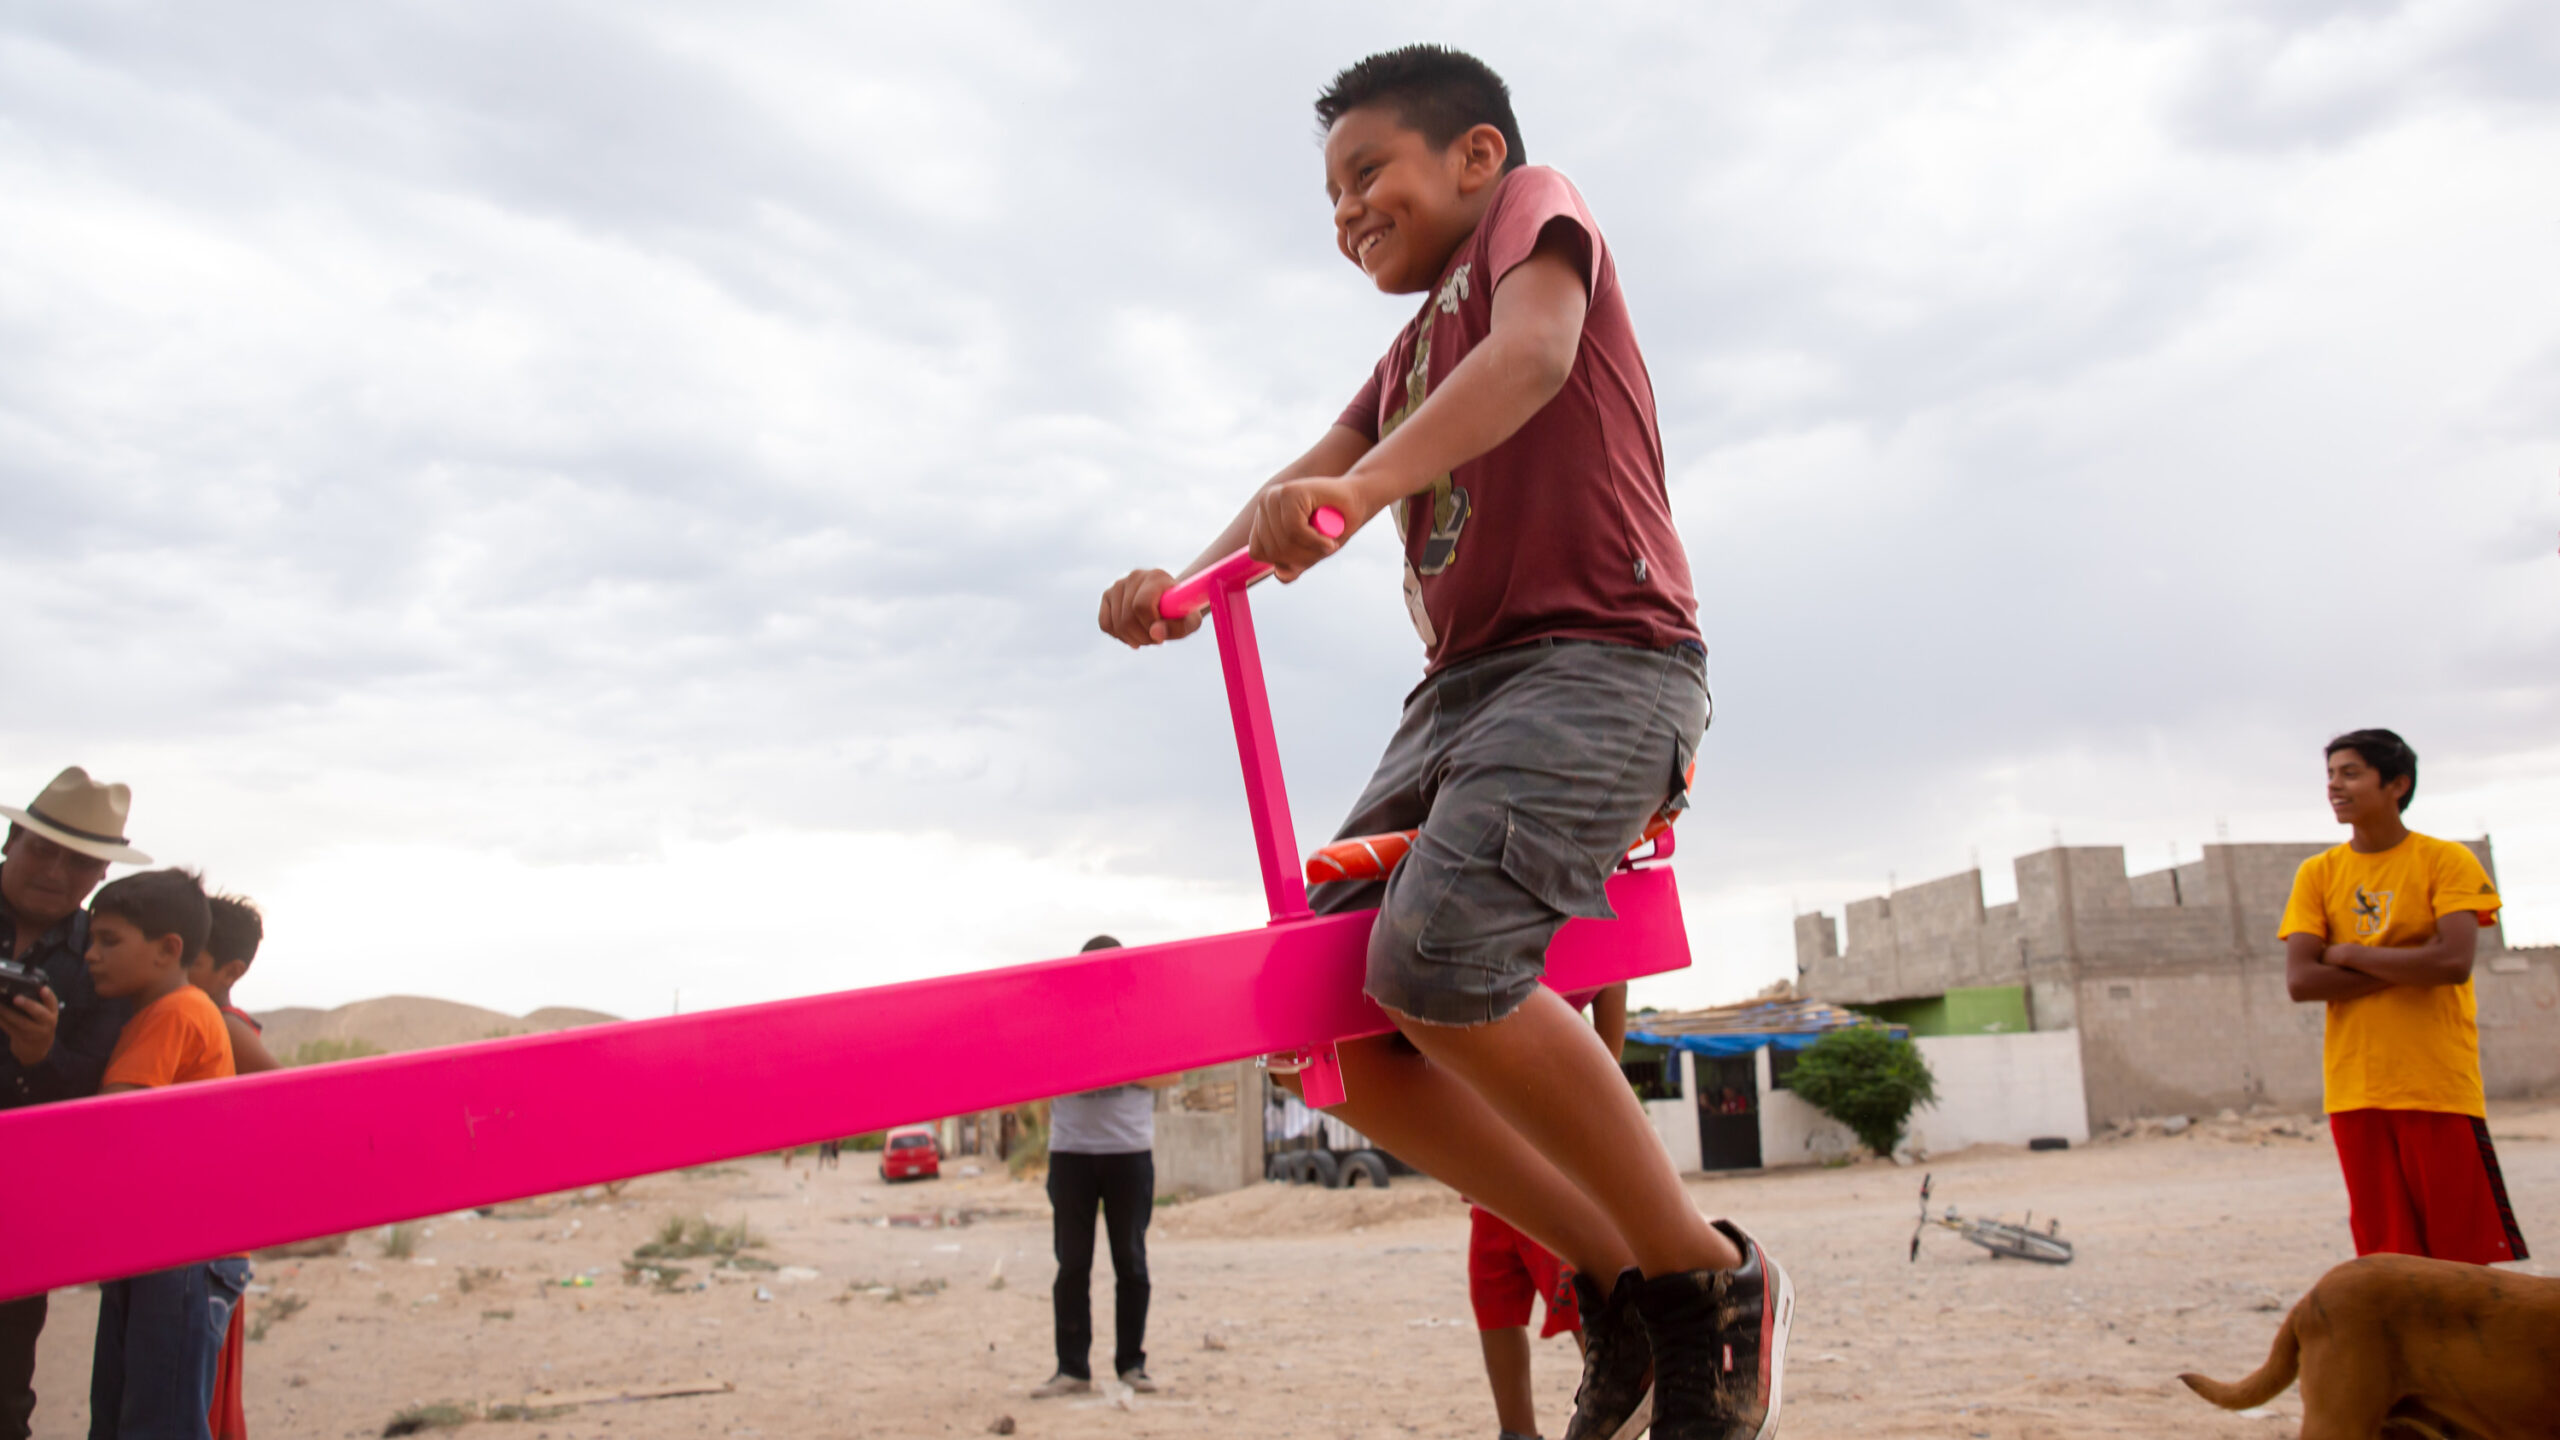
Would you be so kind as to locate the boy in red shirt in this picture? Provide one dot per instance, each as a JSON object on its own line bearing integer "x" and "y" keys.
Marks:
{"x": 1510, "y": 432}
{"x": 222, "y": 963}
{"x": 2382, "y": 929}
{"x": 229, "y": 946}
{"x": 159, "y": 1335}
{"x": 1506, "y": 1270}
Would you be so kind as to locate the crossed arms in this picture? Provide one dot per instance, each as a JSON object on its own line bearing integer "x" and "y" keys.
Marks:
{"x": 2314, "y": 969}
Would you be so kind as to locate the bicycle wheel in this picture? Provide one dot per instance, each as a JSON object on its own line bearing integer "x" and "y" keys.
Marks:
{"x": 2019, "y": 1243}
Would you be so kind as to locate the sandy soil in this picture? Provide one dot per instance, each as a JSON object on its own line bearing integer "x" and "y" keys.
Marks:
{"x": 1291, "y": 1312}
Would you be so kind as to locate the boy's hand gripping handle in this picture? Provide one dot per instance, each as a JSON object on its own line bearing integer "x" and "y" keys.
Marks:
{"x": 1319, "y": 1068}
{"x": 1239, "y": 569}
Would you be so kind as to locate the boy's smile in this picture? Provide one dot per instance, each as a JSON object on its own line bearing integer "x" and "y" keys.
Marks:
{"x": 1402, "y": 207}
{"x": 2356, "y": 789}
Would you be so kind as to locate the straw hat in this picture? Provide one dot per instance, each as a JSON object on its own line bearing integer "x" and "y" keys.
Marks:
{"x": 77, "y": 813}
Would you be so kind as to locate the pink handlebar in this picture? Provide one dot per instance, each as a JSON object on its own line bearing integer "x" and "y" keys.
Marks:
{"x": 1239, "y": 569}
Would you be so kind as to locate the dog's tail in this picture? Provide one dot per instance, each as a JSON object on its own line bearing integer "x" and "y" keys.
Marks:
{"x": 2284, "y": 1361}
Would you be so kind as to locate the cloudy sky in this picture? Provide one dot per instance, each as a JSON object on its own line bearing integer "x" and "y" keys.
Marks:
{"x": 583, "y": 503}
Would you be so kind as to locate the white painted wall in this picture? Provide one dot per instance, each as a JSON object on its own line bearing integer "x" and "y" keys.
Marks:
{"x": 2002, "y": 1090}
{"x": 1992, "y": 1090}
{"x": 1676, "y": 1121}
{"x": 1794, "y": 1133}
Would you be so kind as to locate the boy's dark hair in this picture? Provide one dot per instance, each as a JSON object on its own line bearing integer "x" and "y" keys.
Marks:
{"x": 157, "y": 903}
{"x": 1442, "y": 93}
{"x": 237, "y": 929}
{"x": 1100, "y": 942}
{"x": 2388, "y": 754}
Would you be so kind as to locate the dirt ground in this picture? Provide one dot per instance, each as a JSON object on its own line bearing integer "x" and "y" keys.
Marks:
{"x": 924, "y": 1308}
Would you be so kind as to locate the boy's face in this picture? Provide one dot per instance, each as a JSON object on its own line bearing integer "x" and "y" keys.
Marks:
{"x": 1401, "y": 207}
{"x": 214, "y": 979}
{"x": 122, "y": 961}
{"x": 2357, "y": 791}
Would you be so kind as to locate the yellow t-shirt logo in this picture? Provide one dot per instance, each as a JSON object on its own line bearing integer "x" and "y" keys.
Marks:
{"x": 2373, "y": 911}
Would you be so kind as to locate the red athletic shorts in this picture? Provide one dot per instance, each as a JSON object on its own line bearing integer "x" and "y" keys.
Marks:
{"x": 1505, "y": 1268}
{"x": 227, "y": 1419}
{"x": 2424, "y": 1182}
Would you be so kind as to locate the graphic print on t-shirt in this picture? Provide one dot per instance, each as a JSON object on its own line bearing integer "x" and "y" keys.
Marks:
{"x": 2373, "y": 911}
{"x": 1450, "y": 502}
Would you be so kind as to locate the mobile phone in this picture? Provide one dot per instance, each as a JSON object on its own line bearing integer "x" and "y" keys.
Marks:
{"x": 16, "y": 980}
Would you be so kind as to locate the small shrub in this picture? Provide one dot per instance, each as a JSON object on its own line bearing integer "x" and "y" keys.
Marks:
{"x": 666, "y": 1279}
{"x": 683, "y": 1237}
{"x": 476, "y": 1277}
{"x": 275, "y": 1311}
{"x": 399, "y": 1242}
{"x": 322, "y": 1052}
{"x": 1030, "y": 1147}
{"x": 443, "y": 1415}
{"x": 1867, "y": 1079}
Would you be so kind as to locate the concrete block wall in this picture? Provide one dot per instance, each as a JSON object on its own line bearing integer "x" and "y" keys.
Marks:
{"x": 2194, "y": 1039}
{"x": 1209, "y": 1152}
{"x": 1817, "y": 940}
{"x": 2519, "y": 993}
{"x": 2174, "y": 886}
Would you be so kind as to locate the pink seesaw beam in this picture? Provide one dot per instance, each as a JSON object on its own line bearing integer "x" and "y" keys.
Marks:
{"x": 300, "y": 1153}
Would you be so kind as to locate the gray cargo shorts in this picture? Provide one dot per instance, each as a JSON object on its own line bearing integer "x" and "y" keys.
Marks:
{"x": 1529, "y": 772}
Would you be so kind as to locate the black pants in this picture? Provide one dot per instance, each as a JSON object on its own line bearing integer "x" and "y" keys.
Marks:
{"x": 1124, "y": 1187}
{"x": 21, "y": 1321}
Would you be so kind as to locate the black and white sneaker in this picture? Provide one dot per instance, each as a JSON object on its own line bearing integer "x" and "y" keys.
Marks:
{"x": 1615, "y": 1401}
{"x": 1719, "y": 1346}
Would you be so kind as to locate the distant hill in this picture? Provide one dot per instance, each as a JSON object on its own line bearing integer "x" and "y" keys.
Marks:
{"x": 409, "y": 1022}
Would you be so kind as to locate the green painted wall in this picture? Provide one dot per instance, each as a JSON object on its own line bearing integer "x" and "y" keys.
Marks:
{"x": 1977, "y": 1010}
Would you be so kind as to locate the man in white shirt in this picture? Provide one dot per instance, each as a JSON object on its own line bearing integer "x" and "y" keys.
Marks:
{"x": 1102, "y": 1158}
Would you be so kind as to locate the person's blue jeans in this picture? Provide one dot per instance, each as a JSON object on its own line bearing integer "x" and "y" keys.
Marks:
{"x": 159, "y": 1343}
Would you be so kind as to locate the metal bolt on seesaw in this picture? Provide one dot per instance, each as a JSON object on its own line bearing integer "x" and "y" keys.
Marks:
{"x": 294, "y": 1154}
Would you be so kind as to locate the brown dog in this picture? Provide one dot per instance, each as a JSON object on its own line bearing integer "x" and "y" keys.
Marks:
{"x": 2425, "y": 1347}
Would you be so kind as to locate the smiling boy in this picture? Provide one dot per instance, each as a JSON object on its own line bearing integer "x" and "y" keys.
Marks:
{"x": 2382, "y": 929}
{"x": 1510, "y": 432}
{"x": 159, "y": 1335}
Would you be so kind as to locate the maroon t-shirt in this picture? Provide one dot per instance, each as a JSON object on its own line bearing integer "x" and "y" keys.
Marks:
{"x": 1564, "y": 530}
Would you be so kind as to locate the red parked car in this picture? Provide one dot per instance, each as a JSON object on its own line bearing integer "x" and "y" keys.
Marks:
{"x": 910, "y": 1154}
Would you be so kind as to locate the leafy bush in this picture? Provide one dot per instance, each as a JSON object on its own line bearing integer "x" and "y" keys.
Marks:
{"x": 1867, "y": 1079}
{"x": 321, "y": 1052}
{"x": 684, "y": 1238}
{"x": 1030, "y": 1144}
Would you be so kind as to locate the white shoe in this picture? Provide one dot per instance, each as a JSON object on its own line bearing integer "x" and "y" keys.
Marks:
{"x": 1061, "y": 1383}
{"x": 1138, "y": 1380}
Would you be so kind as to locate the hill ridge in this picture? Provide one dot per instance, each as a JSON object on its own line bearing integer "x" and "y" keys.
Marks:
{"x": 395, "y": 1023}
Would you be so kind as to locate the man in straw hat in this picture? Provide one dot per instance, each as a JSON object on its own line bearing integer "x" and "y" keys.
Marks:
{"x": 59, "y": 848}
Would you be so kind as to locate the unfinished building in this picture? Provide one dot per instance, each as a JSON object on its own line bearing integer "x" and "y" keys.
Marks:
{"x": 2174, "y": 980}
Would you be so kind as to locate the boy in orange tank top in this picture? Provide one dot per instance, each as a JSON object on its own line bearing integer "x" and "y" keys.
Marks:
{"x": 159, "y": 1335}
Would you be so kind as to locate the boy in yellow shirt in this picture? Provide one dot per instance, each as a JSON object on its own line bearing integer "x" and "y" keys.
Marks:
{"x": 2382, "y": 929}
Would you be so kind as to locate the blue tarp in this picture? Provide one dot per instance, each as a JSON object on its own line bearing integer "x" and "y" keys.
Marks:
{"x": 1731, "y": 1045}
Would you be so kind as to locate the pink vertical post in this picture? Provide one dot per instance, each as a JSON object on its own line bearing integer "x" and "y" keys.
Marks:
{"x": 1275, "y": 841}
